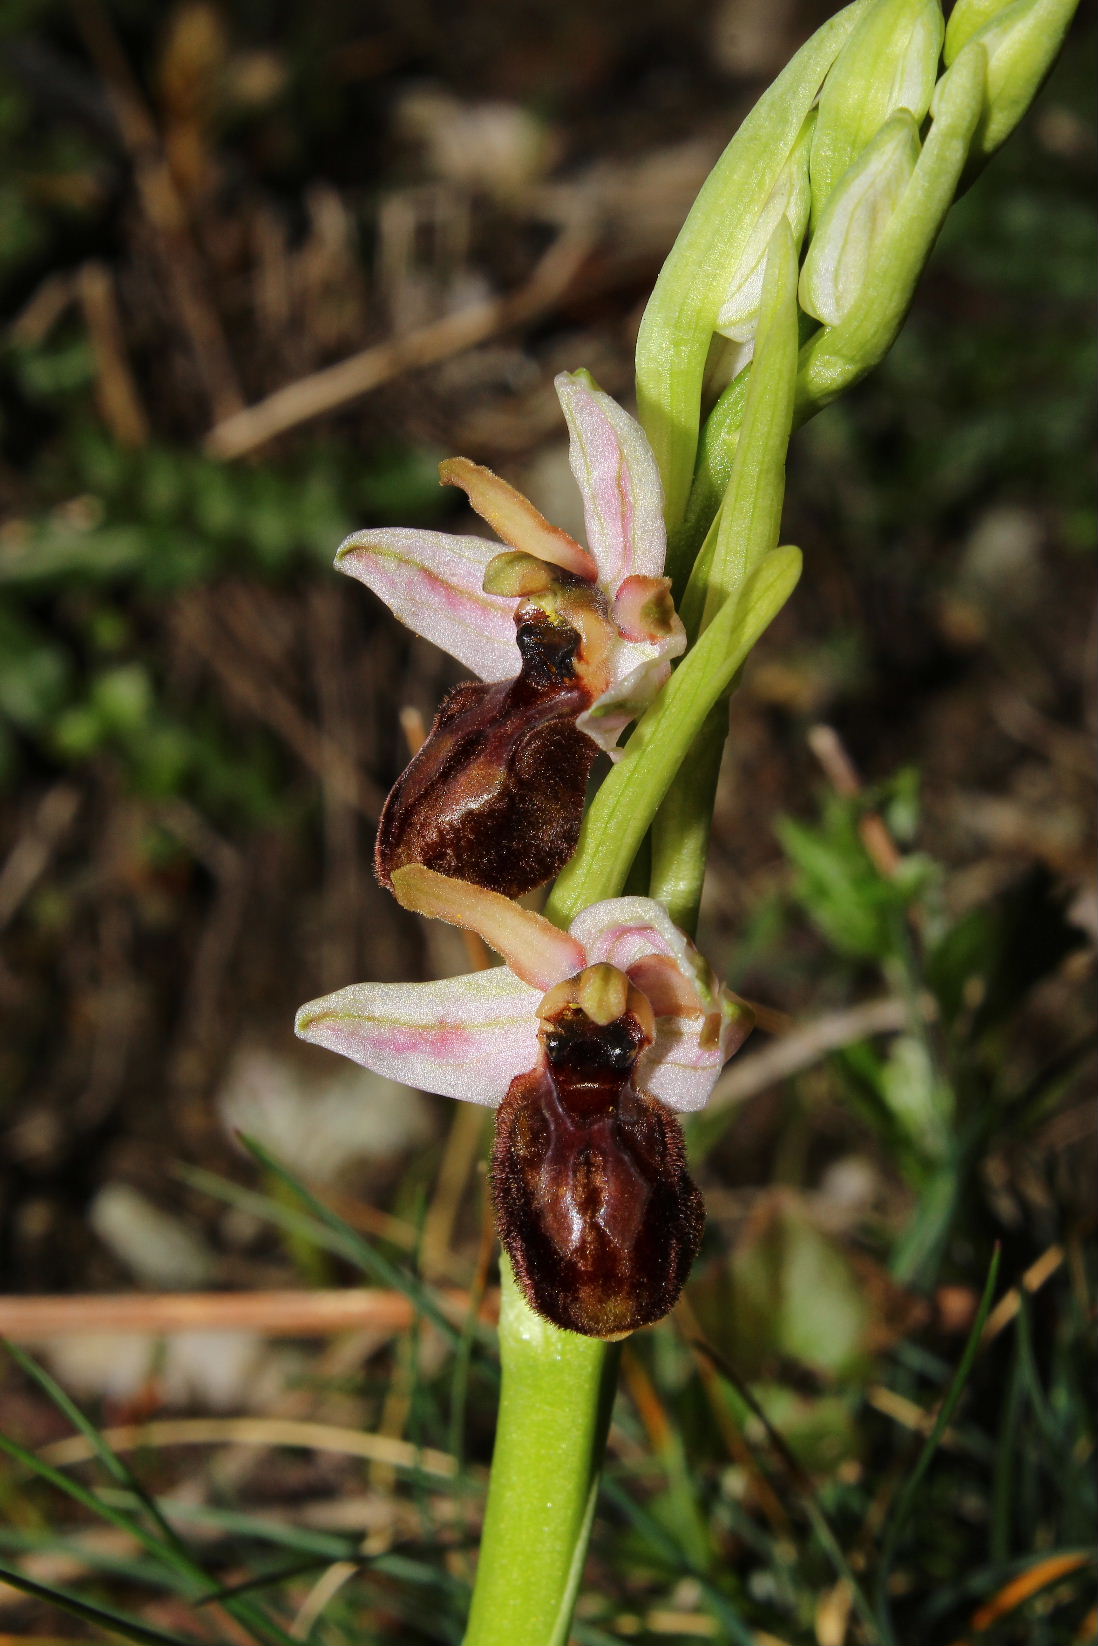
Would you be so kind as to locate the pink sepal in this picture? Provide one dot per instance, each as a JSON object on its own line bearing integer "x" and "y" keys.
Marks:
{"x": 618, "y": 480}
{"x": 432, "y": 582}
{"x": 464, "y": 1037}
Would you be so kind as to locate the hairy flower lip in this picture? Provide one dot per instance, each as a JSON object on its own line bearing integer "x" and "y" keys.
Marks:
{"x": 469, "y": 1037}
{"x": 435, "y": 582}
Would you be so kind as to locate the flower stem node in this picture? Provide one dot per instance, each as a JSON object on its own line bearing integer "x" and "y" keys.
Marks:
{"x": 589, "y": 1042}
{"x": 570, "y": 644}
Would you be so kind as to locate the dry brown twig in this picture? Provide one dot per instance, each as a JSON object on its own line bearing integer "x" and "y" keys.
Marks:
{"x": 30, "y": 857}
{"x": 255, "y": 1431}
{"x": 839, "y": 769}
{"x": 263, "y": 698}
{"x": 275, "y": 1313}
{"x": 115, "y": 385}
{"x": 337, "y": 385}
{"x": 178, "y": 258}
{"x": 803, "y": 1047}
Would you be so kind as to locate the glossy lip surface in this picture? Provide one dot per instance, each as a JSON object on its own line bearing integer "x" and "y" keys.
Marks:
{"x": 495, "y": 795}
{"x": 593, "y": 1201}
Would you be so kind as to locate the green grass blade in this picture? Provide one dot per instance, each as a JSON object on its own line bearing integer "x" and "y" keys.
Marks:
{"x": 114, "y": 1623}
{"x": 800, "y": 1478}
{"x": 909, "y": 1494}
{"x": 321, "y": 1225}
{"x": 160, "y": 1541}
{"x": 114, "y": 1465}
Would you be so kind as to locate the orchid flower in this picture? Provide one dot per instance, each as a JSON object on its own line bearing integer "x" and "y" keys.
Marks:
{"x": 570, "y": 644}
{"x": 588, "y": 1042}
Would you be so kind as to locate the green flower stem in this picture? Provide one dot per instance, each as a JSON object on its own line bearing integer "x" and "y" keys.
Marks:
{"x": 554, "y": 1412}
{"x": 680, "y": 832}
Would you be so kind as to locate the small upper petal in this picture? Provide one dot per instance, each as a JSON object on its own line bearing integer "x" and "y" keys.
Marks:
{"x": 433, "y": 582}
{"x": 627, "y": 696}
{"x": 515, "y": 518}
{"x": 619, "y": 481}
{"x": 465, "y": 1037}
{"x": 532, "y": 946}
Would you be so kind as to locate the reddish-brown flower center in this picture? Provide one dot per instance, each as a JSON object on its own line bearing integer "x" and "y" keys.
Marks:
{"x": 593, "y": 1201}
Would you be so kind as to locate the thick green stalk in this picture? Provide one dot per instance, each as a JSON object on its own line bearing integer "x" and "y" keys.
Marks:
{"x": 554, "y": 1411}
{"x": 680, "y": 833}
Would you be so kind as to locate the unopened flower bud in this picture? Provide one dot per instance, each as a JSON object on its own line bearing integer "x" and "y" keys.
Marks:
{"x": 1021, "y": 40}
{"x": 839, "y": 355}
{"x": 890, "y": 62}
{"x": 710, "y": 258}
{"x": 849, "y": 231}
{"x": 791, "y": 197}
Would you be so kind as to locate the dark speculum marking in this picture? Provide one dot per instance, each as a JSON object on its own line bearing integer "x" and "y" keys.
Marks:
{"x": 593, "y": 1200}
{"x": 495, "y": 795}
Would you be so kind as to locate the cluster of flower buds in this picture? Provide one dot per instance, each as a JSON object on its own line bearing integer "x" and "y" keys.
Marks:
{"x": 587, "y": 1042}
{"x": 860, "y": 146}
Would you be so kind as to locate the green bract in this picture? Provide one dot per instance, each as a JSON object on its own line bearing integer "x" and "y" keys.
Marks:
{"x": 889, "y": 62}
{"x": 1021, "y": 41}
{"x": 790, "y": 198}
{"x": 707, "y": 260}
{"x": 839, "y": 355}
{"x": 746, "y": 528}
{"x": 627, "y": 801}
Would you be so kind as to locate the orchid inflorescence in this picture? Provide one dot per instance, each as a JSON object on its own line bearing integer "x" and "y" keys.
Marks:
{"x": 588, "y": 1041}
{"x": 794, "y": 270}
{"x": 789, "y": 282}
